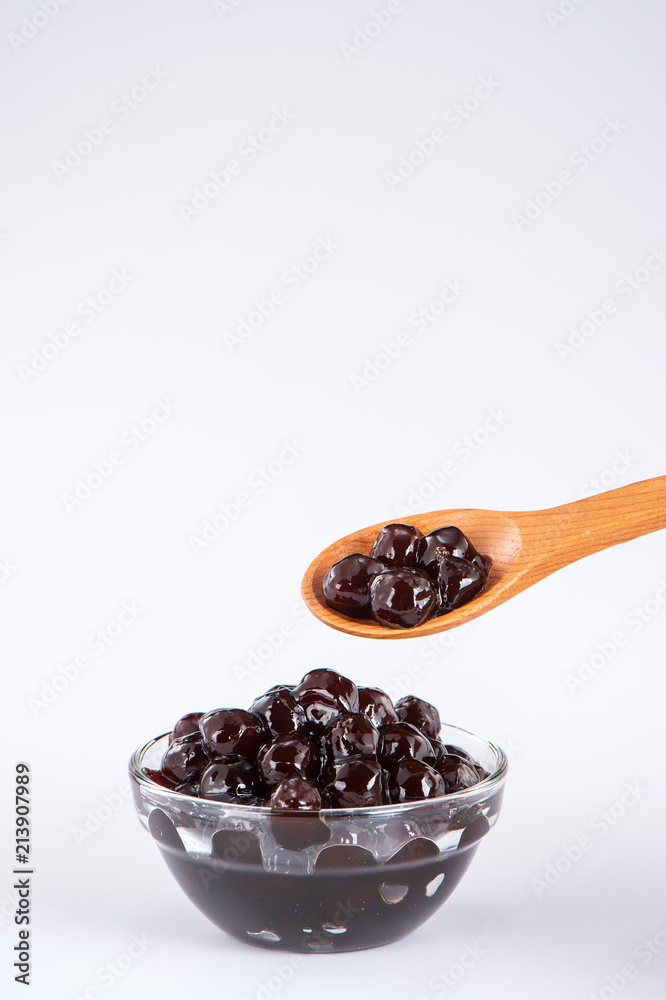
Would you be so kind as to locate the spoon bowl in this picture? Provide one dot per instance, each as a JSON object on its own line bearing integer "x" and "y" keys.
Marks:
{"x": 525, "y": 547}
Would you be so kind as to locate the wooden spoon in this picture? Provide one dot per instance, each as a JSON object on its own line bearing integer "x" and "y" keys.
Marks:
{"x": 525, "y": 546}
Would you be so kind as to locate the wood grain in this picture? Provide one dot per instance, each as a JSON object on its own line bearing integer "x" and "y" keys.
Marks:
{"x": 525, "y": 547}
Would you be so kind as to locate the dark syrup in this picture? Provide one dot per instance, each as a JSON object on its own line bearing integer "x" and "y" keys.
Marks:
{"x": 349, "y": 902}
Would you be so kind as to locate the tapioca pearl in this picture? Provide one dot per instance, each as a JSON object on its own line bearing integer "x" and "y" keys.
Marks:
{"x": 232, "y": 731}
{"x": 398, "y": 545}
{"x": 184, "y": 759}
{"x": 291, "y": 756}
{"x": 402, "y": 741}
{"x": 402, "y": 598}
{"x": 377, "y": 705}
{"x": 346, "y": 586}
{"x": 419, "y": 713}
{"x": 331, "y": 684}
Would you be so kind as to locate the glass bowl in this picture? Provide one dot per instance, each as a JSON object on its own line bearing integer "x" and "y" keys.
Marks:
{"x": 338, "y": 880}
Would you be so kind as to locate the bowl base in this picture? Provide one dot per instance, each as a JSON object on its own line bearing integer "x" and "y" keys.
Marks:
{"x": 349, "y": 903}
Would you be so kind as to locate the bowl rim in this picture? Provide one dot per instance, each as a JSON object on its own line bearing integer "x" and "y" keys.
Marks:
{"x": 494, "y": 780}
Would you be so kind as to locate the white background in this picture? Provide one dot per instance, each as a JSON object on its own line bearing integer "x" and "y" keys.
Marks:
{"x": 358, "y": 104}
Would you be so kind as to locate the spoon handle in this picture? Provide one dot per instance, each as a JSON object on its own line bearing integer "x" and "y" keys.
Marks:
{"x": 578, "y": 529}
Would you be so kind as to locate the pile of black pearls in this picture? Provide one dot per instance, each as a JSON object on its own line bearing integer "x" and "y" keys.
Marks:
{"x": 322, "y": 743}
{"x": 408, "y": 577}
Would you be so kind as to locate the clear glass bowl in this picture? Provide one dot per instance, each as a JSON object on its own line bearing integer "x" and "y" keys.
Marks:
{"x": 339, "y": 880}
